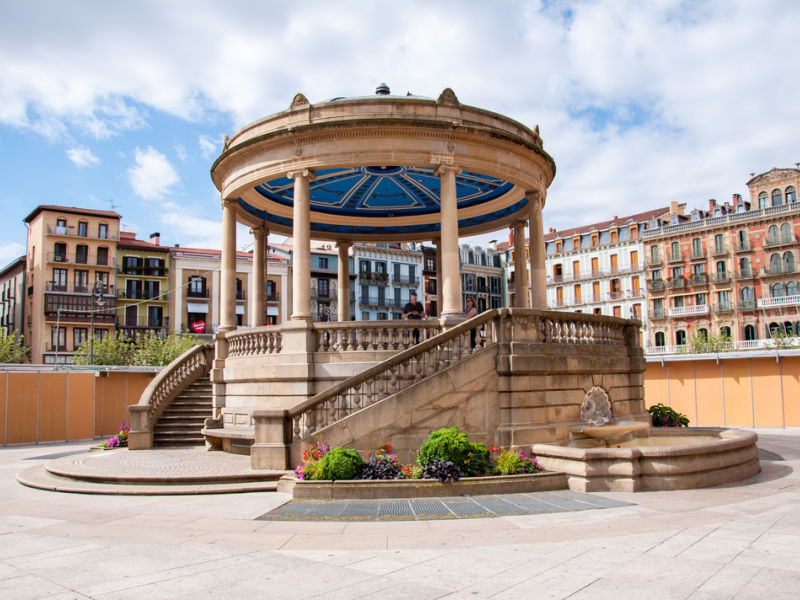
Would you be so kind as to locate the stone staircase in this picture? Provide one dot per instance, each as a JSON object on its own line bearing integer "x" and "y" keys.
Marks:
{"x": 181, "y": 422}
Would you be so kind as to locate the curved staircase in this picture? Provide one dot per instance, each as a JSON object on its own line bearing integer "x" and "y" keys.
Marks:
{"x": 181, "y": 422}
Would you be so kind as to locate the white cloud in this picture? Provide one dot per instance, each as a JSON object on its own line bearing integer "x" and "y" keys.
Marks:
{"x": 153, "y": 176}
{"x": 82, "y": 157}
{"x": 208, "y": 146}
{"x": 180, "y": 151}
{"x": 10, "y": 251}
{"x": 194, "y": 231}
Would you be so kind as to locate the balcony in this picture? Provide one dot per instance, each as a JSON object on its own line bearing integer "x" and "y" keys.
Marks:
{"x": 197, "y": 293}
{"x": 405, "y": 279}
{"x": 698, "y": 279}
{"x": 723, "y": 307}
{"x": 719, "y": 250}
{"x": 374, "y": 277}
{"x": 52, "y": 286}
{"x": 688, "y": 311}
{"x": 81, "y": 259}
{"x": 674, "y": 258}
{"x": 697, "y": 254}
{"x": 614, "y": 295}
{"x": 742, "y": 246}
{"x": 746, "y": 274}
{"x": 658, "y": 314}
{"x": 137, "y": 271}
{"x": 656, "y": 261}
{"x": 778, "y": 301}
{"x": 78, "y": 308}
{"x": 656, "y": 285}
{"x": 241, "y": 295}
{"x": 677, "y": 283}
{"x": 721, "y": 278}
{"x": 782, "y": 269}
{"x": 786, "y": 240}
{"x": 72, "y": 231}
{"x": 142, "y": 295}
{"x": 275, "y": 296}
{"x": 749, "y": 304}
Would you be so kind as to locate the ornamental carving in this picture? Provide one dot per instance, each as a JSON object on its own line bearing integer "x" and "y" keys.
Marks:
{"x": 448, "y": 98}
{"x": 596, "y": 408}
{"x": 299, "y": 100}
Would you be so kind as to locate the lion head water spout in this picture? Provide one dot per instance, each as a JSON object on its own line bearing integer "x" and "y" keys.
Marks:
{"x": 596, "y": 411}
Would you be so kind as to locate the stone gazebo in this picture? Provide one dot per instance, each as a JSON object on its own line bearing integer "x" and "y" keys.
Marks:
{"x": 396, "y": 168}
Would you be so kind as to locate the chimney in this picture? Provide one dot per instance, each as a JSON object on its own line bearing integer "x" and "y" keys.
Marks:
{"x": 673, "y": 207}
{"x": 712, "y": 204}
{"x": 155, "y": 239}
{"x": 736, "y": 198}
{"x": 493, "y": 245}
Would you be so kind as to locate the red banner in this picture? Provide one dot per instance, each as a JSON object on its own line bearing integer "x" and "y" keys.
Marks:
{"x": 199, "y": 326}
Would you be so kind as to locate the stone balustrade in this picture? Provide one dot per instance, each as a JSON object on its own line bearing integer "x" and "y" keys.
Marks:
{"x": 350, "y": 336}
{"x": 254, "y": 341}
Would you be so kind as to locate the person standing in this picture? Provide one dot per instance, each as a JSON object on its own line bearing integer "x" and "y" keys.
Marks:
{"x": 470, "y": 311}
{"x": 414, "y": 310}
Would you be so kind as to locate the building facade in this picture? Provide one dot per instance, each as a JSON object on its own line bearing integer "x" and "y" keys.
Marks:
{"x": 12, "y": 296}
{"x": 482, "y": 277}
{"x": 730, "y": 270}
{"x": 387, "y": 275}
{"x": 143, "y": 284}
{"x": 599, "y": 268}
{"x": 70, "y": 278}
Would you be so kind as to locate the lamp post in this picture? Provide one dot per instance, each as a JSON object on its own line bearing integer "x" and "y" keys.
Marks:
{"x": 97, "y": 301}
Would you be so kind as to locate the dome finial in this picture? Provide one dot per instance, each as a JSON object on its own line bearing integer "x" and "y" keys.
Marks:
{"x": 382, "y": 90}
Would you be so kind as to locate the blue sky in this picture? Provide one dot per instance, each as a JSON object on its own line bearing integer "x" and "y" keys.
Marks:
{"x": 124, "y": 105}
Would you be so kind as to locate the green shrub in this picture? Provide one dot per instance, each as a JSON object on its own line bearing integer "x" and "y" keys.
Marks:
{"x": 664, "y": 416}
{"x": 11, "y": 348}
{"x": 156, "y": 348}
{"x": 453, "y": 446}
{"x": 341, "y": 463}
{"x": 508, "y": 463}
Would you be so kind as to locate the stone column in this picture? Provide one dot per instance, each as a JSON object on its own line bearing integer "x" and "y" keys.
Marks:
{"x": 536, "y": 249}
{"x": 520, "y": 267}
{"x": 301, "y": 232}
{"x": 257, "y": 281}
{"x": 227, "y": 294}
{"x": 343, "y": 290}
{"x": 438, "y": 243}
{"x": 451, "y": 311}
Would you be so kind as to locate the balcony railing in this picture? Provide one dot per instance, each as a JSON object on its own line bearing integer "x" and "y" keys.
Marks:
{"x": 697, "y": 254}
{"x": 406, "y": 279}
{"x": 748, "y": 304}
{"x": 659, "y": 313}
{"x": 197, "y": 293}
{"x": 722, "y": 277}
{"x": 781, "y": 269}
{"x": 785, "y": 240}
{"x": 779, "y": 301}
{"x": 674, "y": 258}
{"x": 143, "y": 271}
{"x": 378, "y": 277}
{"x": 677, "y": 283}
{"x": 656, "y": 285}
{"x": 719, "y": 250}
{"x": 688, "y": 311}
{"x": 723, "y": 307}
{"x": 698, "y": 279}
{"x": 72, "y": 231}
{"x": 655, "y": 261}
{"x": 81, "y": 259}
{"x": 52, "y": 286}
{"x": 747, "y": 273}
{"x": 742, "y": 246}
{"x": 241, "y": 295}
{"x": 705, "y": 224}
{"x": 731, "y": 347}
{"x": 142, "y": 295}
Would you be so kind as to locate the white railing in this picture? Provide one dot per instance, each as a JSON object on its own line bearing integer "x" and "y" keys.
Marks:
{"x": 765, "y": 344}
{"x": 779, "y": 301}
{"x": 682, "y": 311}
{"x": 729, "y": 218}
{"x": 349, "y": 336}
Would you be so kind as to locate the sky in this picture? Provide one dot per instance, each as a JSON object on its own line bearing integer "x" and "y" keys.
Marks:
{"x": 124, "y": 105}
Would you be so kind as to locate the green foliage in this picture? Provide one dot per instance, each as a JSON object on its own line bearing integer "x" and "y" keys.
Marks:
{"x": 514, "y": 462}
{"x": 11, "y": 348}
{"x": 155, "y": 348}
{"x": 701, "y": 344}
{"x": 311, "y": 467}
{"x": 453, "y": 446}
{"x": 780, "y": 339}
{"x": 412, "y": 471}
{"x": 341, "y": 463}
{"x": 664, "y": 416}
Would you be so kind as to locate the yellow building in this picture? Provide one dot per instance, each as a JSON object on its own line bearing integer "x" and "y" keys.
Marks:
{"x": 142, "y": 279}
{"x": 71, "y": 269}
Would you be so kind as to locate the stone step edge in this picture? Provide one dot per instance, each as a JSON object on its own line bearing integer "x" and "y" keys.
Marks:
{"x": 171, "y": 479}
{"x": 39, "y": 478}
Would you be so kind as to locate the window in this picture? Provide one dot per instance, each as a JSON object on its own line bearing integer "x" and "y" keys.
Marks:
{"x": 82, "y": 254}
{"x": 102, "y": 256}
{"x": 365, "y": 315}
{"x": 703, "y": 333}
{"x": 614, "y": 235}
{"x": 577, "y": 292}
{"x": 595, "y": 240}
{"x": 725, "y": 331}
{"x": 58, "y": 338}
{"x": 654, "y": 254}
{"x": 595, "y": 266}
{"x": 750, "y": 332}
{"x": 61, "y": 226}
{"x": 634, "y": 260}
{"x": 576, "y": 269}
{"x": 271, "y": 292}
{"x": 775, "y": 263}
{"x": 719, "y": 244}
{"x": 680, "y": 337}
{"x": 699, "y": 269}
{"x": 675, "y": 251}
{"x": 559, "y": 246}
{"x": 634, "y": 232}
{"x": 102, "y": 231}
{"x": 83, "y": 228}
{"x": 101, "y": 278}
{"x": 79, "y": 336}
{"x": 81, "y": 279}
{"x": 323, "y": 287}
{"x": 617, "y": 311}
{"x": 59, "y": 280}
{"x": 239, "y": 289}
{"x": 778, "y": 290}
{"x": 700, "y": 299}
{"x": 576, "y": 242}
{"x": 152, "y": 289}
{"x": 677, "y": 302}
{"x": 382, "y": 316}
{"x": 660, "y": 343}
{"x": 792, "y": 288}
{"x": 658, "y": 307}
{"x": 791, "y": 195}
{"x": 364, "y": 267}
{"x": 746, "y": 294}
{"x": 131, "y": 314}
{"x": 133, "y": 289}
{"x": 776, "y": 198}
{"x": 155, "y": 316}
{"x": 723, "y": 299}
{"x": 697, "y": 247}
{"x": 656, "y": 275}
{"x": 614, "y": 263}
{"x": 772, "y": 234}
{"x": 788, "y": 262}
{"x": 677, "y": 272}
{"x": 744, "y": 240}
{"x": 720, "y": 268}
{"x": 786, "y": 232}
{"x": 60, "y": 252}
{"x": 323, "y": 262}
{"x": 197, "y": 287}
{"x": 744, "y": 267}
{"x": 763, "y": 200}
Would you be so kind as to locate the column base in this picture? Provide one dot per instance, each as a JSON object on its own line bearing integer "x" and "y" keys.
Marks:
{"x": 450, "y": 319}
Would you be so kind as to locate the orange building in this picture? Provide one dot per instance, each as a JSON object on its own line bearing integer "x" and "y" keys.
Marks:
{"x": 70, "y": 279}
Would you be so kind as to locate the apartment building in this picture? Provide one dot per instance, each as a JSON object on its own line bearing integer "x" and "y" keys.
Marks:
{"x": 12, "y": 295}
{"x": 482, "y": 276}
{"x": 143, "y": 284}
{"x": 599, "y": 268}
{"x": 430, "y": 280}
{"x": 506, "y": 250}
{"x": 71, "y": 261}
{"x": 387, "y": 276}
{"x": 731, "y": 269}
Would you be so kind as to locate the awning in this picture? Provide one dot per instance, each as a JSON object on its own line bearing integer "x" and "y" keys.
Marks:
{"x": 240, "y": 309}
{"x": 272, "y": 311}
{"x": 196, "y": 307}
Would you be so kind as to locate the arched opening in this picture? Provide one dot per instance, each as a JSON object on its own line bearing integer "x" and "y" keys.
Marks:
{"x": 725, "y": 331}
{"x": 788, "y": 262}
{"x": 660, "y": 339}
{"x": 776, "y": 198}
{"x": 750, "y": 332}
{"x": 786, "y": 232}
{"x": 680, "y": 337}
{"x": 778, "y": 290}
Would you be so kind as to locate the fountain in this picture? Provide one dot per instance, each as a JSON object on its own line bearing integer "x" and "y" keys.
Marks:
{"x": 608, "y": 455}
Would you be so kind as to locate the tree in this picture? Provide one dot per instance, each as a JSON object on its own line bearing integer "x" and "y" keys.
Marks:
{"x": 11, "y": 348}
{"x": 154, "y": 348}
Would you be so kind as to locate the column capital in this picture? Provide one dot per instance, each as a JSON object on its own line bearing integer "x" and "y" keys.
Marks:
{"x": 535, "y": 198}
{"x": 445, "y": 168}
{"x": 307, "y": 173}
{"x": 259, "y": 230}
{"x": 518, "y": 224}
{"x": 228, "y": 203}
{"x": 344, "y": 244}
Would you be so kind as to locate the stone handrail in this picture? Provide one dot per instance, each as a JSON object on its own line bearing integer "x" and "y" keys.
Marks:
{"x": 350, "y": 336}
{"x": 390, "y": 376}
{"x": 431, "y": 356}
{"x": 167, "y": 385}
{"x": 255, "y": 340}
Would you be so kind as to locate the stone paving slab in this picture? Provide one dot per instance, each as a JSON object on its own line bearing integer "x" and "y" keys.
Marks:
{"x": 428, "y": 509}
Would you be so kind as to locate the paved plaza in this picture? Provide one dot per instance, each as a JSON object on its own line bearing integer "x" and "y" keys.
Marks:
{"x": 738, "y": 541}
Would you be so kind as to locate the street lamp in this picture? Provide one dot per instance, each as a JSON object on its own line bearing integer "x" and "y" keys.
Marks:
{"x": 97, "y": 301}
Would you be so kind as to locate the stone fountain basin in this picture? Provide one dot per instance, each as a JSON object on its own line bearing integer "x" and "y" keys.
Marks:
{"x": 655, "y": 459}
{"x": 614, "y": 430}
